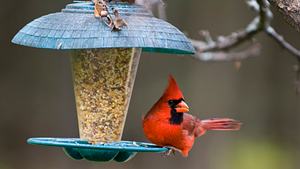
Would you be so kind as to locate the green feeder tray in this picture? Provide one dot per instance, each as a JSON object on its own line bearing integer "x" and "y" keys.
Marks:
{"x": 78, "y": 149}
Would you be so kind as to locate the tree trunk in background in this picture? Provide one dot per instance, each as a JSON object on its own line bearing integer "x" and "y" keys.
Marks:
{"x": 290, "y": 9}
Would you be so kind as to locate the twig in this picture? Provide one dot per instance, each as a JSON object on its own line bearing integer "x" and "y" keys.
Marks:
{"x": 220, "y": 49}
{"x": 224, "y": 44}
{"x": 282, "y": 42}
{"x": 161, "y": 8}
{"x": 159, "y": 5}
{"x": 227, "y": 43}
{"x": 261, "y": 23}
{"x": 297, "y": 81}
{"x": 221, "y": 56}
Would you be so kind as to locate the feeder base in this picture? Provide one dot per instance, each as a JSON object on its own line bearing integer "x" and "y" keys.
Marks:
{"x": 79, "y": 149}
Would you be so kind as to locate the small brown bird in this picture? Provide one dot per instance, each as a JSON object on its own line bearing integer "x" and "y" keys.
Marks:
{"x": 100, "y": 9}
{"x": 118, "y": 22}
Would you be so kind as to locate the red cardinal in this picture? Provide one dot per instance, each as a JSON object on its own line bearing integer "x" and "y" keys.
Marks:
{"x": 169, "y": 124}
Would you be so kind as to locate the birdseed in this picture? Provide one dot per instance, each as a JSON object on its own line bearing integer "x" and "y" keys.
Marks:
{"x": 103, "y": 82}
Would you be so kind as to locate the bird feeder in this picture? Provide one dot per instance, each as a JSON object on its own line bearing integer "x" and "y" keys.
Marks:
{"x": 104, "y": 64}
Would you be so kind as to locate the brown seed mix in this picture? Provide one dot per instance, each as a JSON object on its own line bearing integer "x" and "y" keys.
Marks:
{"x": 103, "y": 81}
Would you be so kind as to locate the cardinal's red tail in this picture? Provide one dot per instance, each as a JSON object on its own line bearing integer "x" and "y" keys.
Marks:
{"x": 221, "y": 124}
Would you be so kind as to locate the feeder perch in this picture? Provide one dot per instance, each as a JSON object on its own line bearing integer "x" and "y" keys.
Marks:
{"x": 104, "y": 64}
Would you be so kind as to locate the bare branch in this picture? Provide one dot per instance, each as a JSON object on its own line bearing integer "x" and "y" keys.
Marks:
{"x": 297, "y": 81}
{"x": 154, "y": 4}
{"x": 253, "y": 50}
{"x": 261, "y": 23}
{"x": 209, "y": 49}
{"x": 229, "y": 42}
{"x": 218, "y": 50}
{"x": 225, "y": 43}
{"x": 282, "y": 42}
{"x": 161, "y": 7}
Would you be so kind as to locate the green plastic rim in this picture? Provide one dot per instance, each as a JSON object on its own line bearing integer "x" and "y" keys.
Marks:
{"x": 78, "y": 143}
{"x": 78, "y": 149}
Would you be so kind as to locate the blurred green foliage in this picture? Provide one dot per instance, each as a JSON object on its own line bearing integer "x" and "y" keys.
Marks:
{"x": 3, "y": 166}
{"x": 259, "y": 154}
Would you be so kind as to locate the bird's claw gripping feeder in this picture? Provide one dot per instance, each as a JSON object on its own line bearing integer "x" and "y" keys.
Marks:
{"x": 104, "y": 66}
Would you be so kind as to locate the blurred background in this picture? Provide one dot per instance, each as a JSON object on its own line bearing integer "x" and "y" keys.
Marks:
{"x": 37, "y": 99}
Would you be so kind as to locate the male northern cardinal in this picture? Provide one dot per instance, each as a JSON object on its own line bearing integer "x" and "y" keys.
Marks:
{"x": 169, "y": 124}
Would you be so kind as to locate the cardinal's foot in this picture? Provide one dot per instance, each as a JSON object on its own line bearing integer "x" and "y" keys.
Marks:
{"x": 171, "y": 150}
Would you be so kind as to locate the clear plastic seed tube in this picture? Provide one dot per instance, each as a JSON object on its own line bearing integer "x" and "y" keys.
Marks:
{"x": 103, "y": 81}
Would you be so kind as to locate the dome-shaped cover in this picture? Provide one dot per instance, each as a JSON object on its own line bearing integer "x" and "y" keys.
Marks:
{"x": 76, "y": 27}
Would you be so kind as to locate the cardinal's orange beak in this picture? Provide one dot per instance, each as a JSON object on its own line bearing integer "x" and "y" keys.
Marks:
{"x": 182, "y": 107}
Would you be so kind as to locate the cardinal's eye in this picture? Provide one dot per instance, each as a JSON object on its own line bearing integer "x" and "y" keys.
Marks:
{"x": 171, "y": 102}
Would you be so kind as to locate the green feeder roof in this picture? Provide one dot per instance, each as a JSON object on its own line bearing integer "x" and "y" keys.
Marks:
{"x": 76, "y": 27}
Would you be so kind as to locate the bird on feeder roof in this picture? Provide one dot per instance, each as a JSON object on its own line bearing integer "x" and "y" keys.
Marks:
{"x": 118, "y": 22}
{"x": 101, "y": 11}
